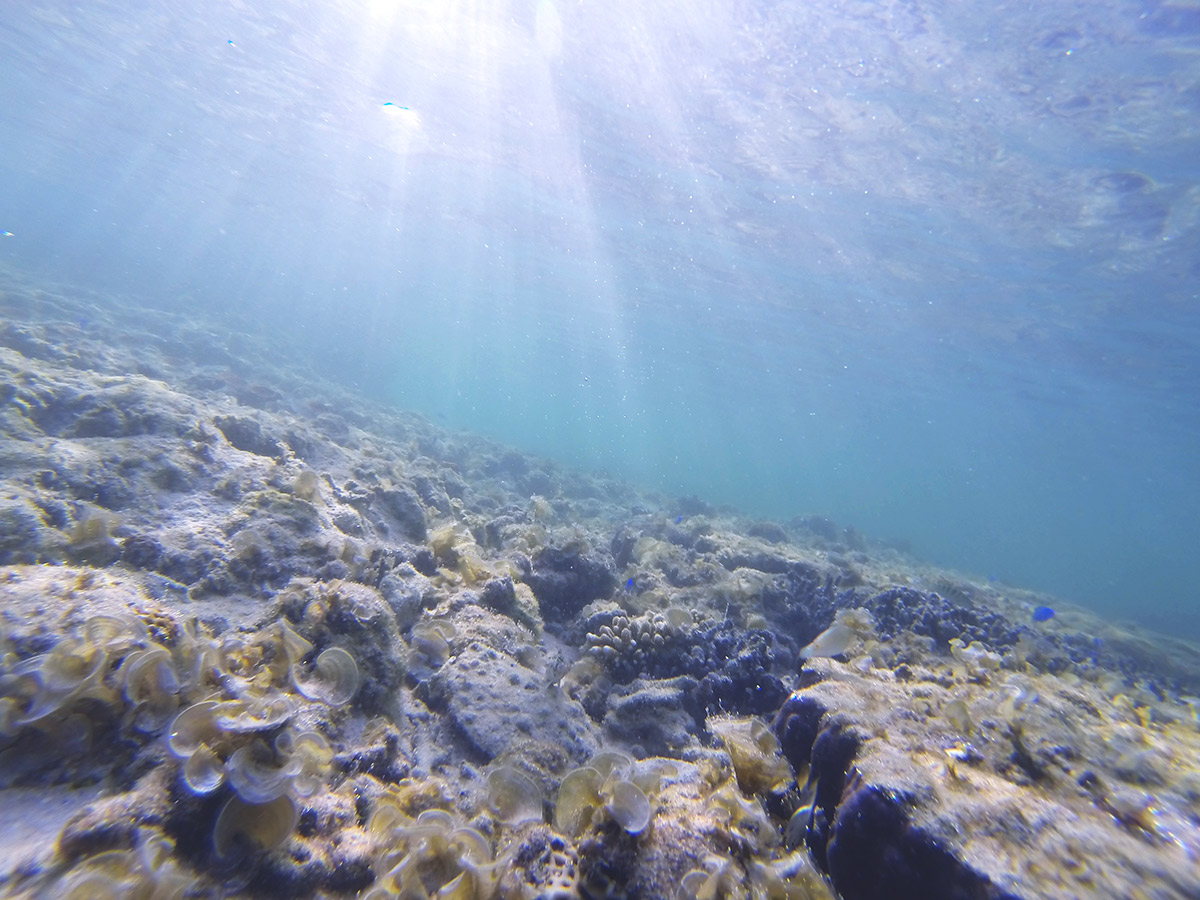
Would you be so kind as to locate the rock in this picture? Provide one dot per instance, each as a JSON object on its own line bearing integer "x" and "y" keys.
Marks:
{"x": 565, "y": 580}
{"x": 652, "y": 716}
{"x": 23, "y": 532}
{"x": 495, "y": 702}
{"x": 768, "y": 531}
{"x": 402, "y": 510}
{"x": 1021, "y": 805}
{"x": 247, "y": 434}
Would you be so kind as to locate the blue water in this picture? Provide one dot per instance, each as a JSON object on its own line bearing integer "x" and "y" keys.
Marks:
{"x": 929, "y": 268}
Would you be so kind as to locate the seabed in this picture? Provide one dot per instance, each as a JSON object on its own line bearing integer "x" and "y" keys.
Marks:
{"x": 261, "y": 637}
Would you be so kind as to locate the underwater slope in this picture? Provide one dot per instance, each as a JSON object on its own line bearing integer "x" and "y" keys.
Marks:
{"x": 262, "y": 638}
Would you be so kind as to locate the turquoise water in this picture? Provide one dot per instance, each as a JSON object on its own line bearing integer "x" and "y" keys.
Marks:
{"x": 931, "y": 269}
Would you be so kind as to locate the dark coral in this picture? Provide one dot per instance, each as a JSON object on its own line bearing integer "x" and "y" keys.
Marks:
{"x": 762, "y": 560}
{"x": 859, "y": 835}
{"x": 731, "y": 668}
{"x": 141, "y": 551}
{"x": 768, "y": 531}
{"x": 875, "y": 852}
{"x": 737, "y": 671}
{"x": 802, "y": 602}
{"x": 904, "y": 608}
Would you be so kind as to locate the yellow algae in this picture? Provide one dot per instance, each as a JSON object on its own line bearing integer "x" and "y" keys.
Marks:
{"x": 754, "y": 751}
{"x": 628, "y": 805}
{"x": 312, "y": 755}
{"x": 334, "y": 679}
{"x": 244, "y": 827}
{"x": 959, "y": 716}
{"x": 513, "y": 796}
{"x": 578, "y": 799}
{"x": 203, "y": 771}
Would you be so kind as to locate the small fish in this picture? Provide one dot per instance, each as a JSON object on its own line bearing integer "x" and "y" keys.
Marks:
{"x": 1042, "y": 614}
{"x": 629, "y": 585}
{"x": 798, "y": 825}
{"x": 678, "y": 519}
{"x": 802, "y": 819}
{"x": 834, "y": 640}
{"x": 6, "y": 234}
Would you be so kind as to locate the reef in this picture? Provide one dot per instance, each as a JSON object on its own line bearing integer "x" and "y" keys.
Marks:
{"x": 988, "y": 778}
{"x": 262, "y": 637}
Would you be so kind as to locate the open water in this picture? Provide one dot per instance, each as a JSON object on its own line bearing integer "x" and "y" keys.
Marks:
{"x": 929, "y": 268}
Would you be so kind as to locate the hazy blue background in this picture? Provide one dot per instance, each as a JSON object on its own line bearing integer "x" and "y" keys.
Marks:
{"x": 931, "y": 268}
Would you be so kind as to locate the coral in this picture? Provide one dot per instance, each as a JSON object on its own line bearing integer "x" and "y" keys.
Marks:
{"x": 488, "y": 695}
{"x": 801, "y": 602}
{"x": 653, "y": 716}
{"x": 307, "y": 658}
{"x": 731, "y": 668}
{"x": 542, "y": 866}
{"x": 648, "y": 644}
{"x": 247, "y": 434}
{"x": 516, "y": 601}
{"x": 907, "y": 609}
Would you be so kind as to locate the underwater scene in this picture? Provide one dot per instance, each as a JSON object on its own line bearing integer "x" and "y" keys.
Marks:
{"x": 642, "y": 450}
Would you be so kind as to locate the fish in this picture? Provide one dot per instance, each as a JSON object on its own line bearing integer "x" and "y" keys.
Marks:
{"x": 833, "y": 641}
{"x": 1042, "y": 614}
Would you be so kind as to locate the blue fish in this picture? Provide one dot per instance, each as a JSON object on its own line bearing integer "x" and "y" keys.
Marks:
{"x": 1042, "y": 613}
{"x": 629, "y": 585}
{"x": 678, "y": 519}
